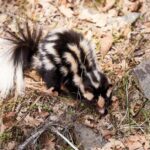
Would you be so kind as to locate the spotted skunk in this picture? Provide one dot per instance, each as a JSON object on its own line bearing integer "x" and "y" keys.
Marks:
{"x": 62, "y": 57}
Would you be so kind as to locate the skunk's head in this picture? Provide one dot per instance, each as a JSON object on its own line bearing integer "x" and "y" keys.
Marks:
{"x": 99, "y": 94}
{"x": 104, "y": 93}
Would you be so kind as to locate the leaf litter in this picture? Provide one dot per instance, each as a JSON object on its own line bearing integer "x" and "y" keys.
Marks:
{"x": 113, "y": 27}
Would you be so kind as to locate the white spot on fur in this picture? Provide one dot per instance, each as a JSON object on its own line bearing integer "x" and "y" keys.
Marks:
{"x": 58, "y": 30}
{"x": 109, "y": 91}
{"x": 37, "y": 64}
{"x": 70, "y": 59}
{"x": 89, "y": 96}
{"x": 74, "y": 49}
{"x": 95, "y": 84}
{"x": 48, "y": 64}
{"x": 52, "y": 38}
{"x": 85, "y": 45}
{"x": 96, "y": 73}
{"x": 41, "y": 50}
{"x": 50, "y": 50}
{"x": 89, "y": 49}
{"x": 64, "y": 70}
{"x": 78, "y": 82}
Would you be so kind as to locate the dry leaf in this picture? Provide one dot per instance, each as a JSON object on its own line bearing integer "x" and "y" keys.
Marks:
{"x": 3, "y": 18}
{"x": 9, "y": 116}
{"x": 43, "y": 114}
{"x": 127, "y": 31}
{"x": 11, "y": 145}
{"x": 134, "y": 6}
{"x": 113, "y": 144}
{"x": 137, "y": 142}
{"x": 63, "y": 2}
{"x": 107, "y": 134}
{"x": 67, "y": 12}
{"x": 8, "y": 120}
{"x": 47, "y": 141}
{"x": 70, "y": 102}
{"x": 100, "y": 19}
{"x": 106, "y": 42}
{"x": 2, "y": 128}
{"x": 32, "y": 121}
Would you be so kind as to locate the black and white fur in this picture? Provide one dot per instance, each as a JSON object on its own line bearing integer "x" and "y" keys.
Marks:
{"x": 62, "y": 57}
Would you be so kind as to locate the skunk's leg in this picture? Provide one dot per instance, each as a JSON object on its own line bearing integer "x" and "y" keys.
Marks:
{"x": 53, "y": 79}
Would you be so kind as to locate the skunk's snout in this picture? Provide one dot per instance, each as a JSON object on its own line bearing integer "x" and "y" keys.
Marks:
{"x": 101, "y": 105}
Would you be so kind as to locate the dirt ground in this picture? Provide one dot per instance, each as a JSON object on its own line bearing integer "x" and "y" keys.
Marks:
{"x": 121, "y": 31}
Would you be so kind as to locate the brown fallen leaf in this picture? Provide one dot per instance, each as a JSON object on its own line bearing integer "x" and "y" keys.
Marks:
{"x": 8, "y": 120}
{"x": 115, "y": 103}
{"x": 137, "y": 142}
{"x": 113, "y": 144}
{"x": 127, "y": 31}
{"x": 107, "y": 134}
{"x": 63, "y": 2}
{"x": 47, "y": 141}
{"x": 134, "y": 6}
{"x": 11, "y": 145}
{"x": 106, "y": 42}
{"x": 43, "y": 114}
{"x": 32, "y": 121}
{"x": 9, "y": 116}
{"x": 67, "y": 12}
{"x": 2, "y": 128}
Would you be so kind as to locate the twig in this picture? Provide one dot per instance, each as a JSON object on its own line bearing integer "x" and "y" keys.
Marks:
{"x": 37, "y": 133}
{"x": 127, "y": 109}
{"x": 64, "y": 138}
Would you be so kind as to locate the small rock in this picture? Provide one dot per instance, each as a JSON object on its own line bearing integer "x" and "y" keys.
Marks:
{"x": 142, "y": 72}
{"x": 87, "y": 137}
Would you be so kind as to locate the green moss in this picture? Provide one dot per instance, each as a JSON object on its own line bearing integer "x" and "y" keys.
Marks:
{"x": 6, "y": 136}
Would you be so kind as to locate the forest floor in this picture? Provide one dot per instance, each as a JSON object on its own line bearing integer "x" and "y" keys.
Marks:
{"x": 121, "y": 31}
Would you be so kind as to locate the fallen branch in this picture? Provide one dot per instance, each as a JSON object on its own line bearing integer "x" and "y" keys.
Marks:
{"x": 64, "y": 138}
{"x": 37, "y": 133}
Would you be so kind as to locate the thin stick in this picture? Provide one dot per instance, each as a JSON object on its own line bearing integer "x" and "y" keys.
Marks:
{"x": 140, "y": 108}
{"x": 64, "y": 138}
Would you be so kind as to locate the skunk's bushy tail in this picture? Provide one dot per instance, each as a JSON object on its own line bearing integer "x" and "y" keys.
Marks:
{"x": 16, "y": 55}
